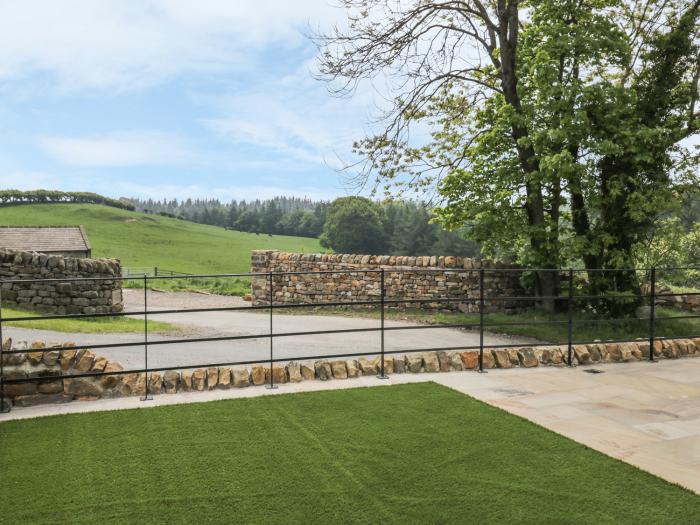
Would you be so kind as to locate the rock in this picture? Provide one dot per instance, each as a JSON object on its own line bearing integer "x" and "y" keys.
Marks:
{"x": 455, "y": 361}
{"x": 324, "y": 371}
{"x": 51, "y": 358}
{"x": 443, "y": 361}
{"x": 224, "y": 378}
{"x": 308, "y": 371}
{"x": 241, "y": 377}
{"x": 50, "y": 387}
{"x": 489, "y": 361}
{"x": 112, "y": 380}
{"x": 629, "y": 351}
{"x": 502, "y": 358}
{"x": 670, "y": 349}
{"x": 186, "y": 380}
{"x": 399, "y": 365}
{"x": 85, "y": 361}
{"x": 155, "y": 383}
{"x": 367, "y": 367}
{"x": 414, "y": 363}
{"x": 34, "y": 358}
{"x": 99, "y": 365}
{"x": 81, "y": 386}
{"x": 352, "y": 368}
{"x": 430, "y": 362}
{"x": 582, "y": 355}
{"x": 294, "y": 372}
{"x": 257, "y": 374}
{"x": 549, "y": 356}
{"x": 171, "y": 381}
{"x": 41, "y": 399}
{"x": 18, "y": 389}
{"x": 470, "y": 360}
{"x": 199, "y": 379}
{"x": 212, "y": 378}
{"x": 339, "y": 370}
{"x": 388, "y": 365}
{"x": 66, "y": 358}
{"x": 594, "y": 353}
{"x": 279, "y": 375}
{"x": 527, "y": 357}
{"x": 513, "y": 356}
{"x": 613, "y": 352}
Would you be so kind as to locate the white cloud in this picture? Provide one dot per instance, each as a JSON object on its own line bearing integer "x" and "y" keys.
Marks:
{"x": 125, "y": 44}
{"x": 118, "y": 149}
{"x": 294, "y": 117}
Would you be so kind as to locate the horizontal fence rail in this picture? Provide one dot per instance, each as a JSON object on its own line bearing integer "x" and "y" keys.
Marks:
{"x": 568, "y": 298}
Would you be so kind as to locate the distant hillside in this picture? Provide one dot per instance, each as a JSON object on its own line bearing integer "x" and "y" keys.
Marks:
{"x": 141, "y": 240}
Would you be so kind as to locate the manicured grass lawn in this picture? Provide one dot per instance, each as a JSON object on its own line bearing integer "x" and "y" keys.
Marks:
{"x": 587, "y": 328}
{"x": 95, "y": 325}
{"x": 417, "y": 453}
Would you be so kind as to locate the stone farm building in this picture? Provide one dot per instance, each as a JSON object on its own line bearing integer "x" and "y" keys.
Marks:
{"x": 69, "y": 241}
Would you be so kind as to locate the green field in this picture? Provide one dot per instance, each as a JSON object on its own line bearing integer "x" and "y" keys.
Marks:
{"x": 97, "y": 325}
{"x": 418, "y": 453}
{"x": 532, "y": 323}
{"x": 141, "y": 240}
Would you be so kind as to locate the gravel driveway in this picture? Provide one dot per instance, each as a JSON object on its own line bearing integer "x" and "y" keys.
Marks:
{"x": 212, "y": 324}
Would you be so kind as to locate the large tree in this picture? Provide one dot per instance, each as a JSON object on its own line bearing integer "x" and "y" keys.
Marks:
{"x": 555, "y": 128}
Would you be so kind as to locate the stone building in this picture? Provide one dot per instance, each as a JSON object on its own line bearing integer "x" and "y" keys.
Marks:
{"x": 68, "y": 241}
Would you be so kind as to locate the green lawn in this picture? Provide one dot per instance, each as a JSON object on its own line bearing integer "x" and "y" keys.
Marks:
{"x": 97, "y": 325}
{"x": 587, "y": 328}
{"x": 141, "y": 240}
{"x": 418, "y": 453}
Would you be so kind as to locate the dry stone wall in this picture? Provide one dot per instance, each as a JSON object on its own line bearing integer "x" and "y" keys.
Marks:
{"x": 76, "y": 297}
{"x": 406, "y": 278}
{"x": 36, "y": 368}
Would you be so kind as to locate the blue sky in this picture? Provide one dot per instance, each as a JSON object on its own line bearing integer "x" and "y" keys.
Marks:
{"x": 172, "y": 98}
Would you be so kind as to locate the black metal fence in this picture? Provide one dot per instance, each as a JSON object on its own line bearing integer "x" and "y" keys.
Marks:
{"x": 569, "y": 298}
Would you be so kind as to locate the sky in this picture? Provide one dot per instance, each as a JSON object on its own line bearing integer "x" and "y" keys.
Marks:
{"x": 173, "y": 99}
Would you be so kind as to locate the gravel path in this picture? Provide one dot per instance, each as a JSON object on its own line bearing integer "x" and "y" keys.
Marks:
{"x": 213, "y": 324}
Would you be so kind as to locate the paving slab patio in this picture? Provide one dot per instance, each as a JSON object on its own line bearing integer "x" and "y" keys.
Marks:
{"x": 645, "y": 414}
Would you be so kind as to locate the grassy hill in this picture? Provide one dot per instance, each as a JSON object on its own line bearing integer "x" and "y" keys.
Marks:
{"x": 141, "y": 240}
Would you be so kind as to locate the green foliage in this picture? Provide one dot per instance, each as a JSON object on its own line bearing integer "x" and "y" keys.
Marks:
{"x": 97, "y": 325}
{"x": 277, "y": 216}
{"x": 556, "y": 130}
{"x": 355, "y": 225}
{"x": 415, "y": 453}
{"x": 52, "y": 196}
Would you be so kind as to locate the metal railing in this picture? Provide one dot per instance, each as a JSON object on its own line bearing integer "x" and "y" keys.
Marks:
{"x": 382, "y": 302}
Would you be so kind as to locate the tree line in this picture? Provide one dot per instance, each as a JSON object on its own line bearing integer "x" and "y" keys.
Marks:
{"x": 348, "y": 224}
{"x": 9, "y": 197}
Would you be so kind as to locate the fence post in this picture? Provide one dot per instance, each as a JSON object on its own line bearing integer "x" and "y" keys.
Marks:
{"x": 147, "y": 396}
{"x": 571, "y": 317}
{"x": 155, "y": 271}
{"x": 3, "y": 407}
{"x": 382, "y": 375}
{"x": 481, "y": 321}
{"x": 652, "y": 315}
{"x": 272, "y": 384}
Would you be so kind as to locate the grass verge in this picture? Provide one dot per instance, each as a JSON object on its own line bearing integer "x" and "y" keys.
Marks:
{"x": 418, "y": 453}
{"x": 97, "y": 325}
{"x": 586, "y": 327}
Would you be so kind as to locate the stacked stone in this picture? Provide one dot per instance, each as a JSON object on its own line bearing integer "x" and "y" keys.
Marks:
{"x": 354, "y": 278}
{"x": 55, "y": 360}
{"x": 73, "y": 297}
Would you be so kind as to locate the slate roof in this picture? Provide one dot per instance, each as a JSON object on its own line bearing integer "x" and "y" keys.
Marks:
{"x": 44, "y": 239}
